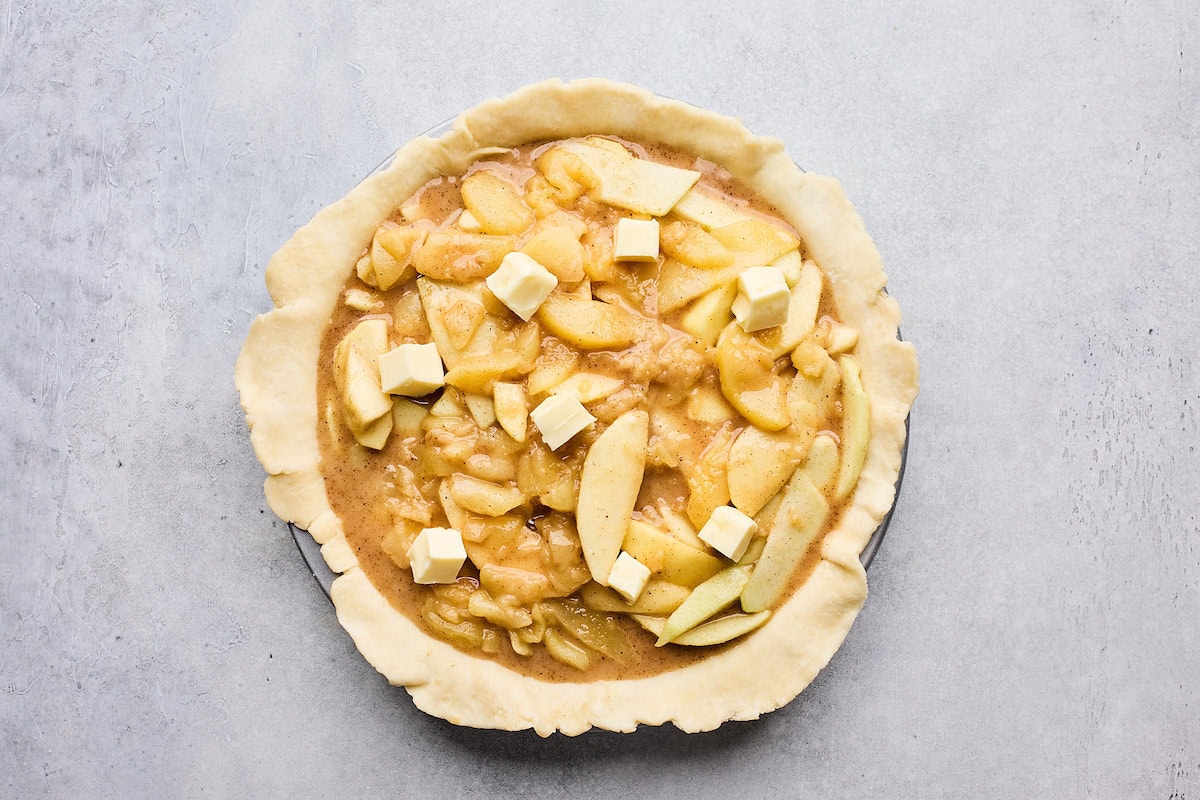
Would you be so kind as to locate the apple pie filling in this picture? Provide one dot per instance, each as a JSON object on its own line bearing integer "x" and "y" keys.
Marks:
{"x": 588, "y": 409}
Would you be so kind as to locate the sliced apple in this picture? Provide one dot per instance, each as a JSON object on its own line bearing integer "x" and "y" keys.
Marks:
{"x": 706, "y": 208}
{"x": 724, "y": 629}
{"x": 375, "y": 435}
{"x": 755, "y": 242}
{"x": 668, "y": 557}
{"x": 391, "y": 254}
{"x": 460, "y": 256}
{"x": 821, "y": 465}
{"x": 707, "y": 405}
{"x": 810, "y": 400}
{"x": 635, "y": 184}
{"x": 650, "y": 623}
{"x": 692, "y": 245}
{"x": 659, "y": 597}
{"x": 589, "y": 386}
{"x": 748, "y": 381}
{"x": 558, "y": 250}
{"x": 856, "y": 428}
{"x": 407, "y": 417}
{"x": 707, "y": 477}
{"x": 709, "y": 315}
{"x": 804, "y": 300}
{"x": 478, "y": 374}
{"x": 481, "y": 409}
{"x": 495, "y": 203}
{"x": 759, "y": 465}
{"x": 679, "y": 284}
{"x": 609, "y": 486}
{"x": 590, "y": 324}
{"x": 512, "y": 409}
{"x": 790, "y": 263}
{"x": 462, "y": 318}
{"x": 484, "y": 497}
{"x": 800, "y": 518}
{"x": 707, "y": 599}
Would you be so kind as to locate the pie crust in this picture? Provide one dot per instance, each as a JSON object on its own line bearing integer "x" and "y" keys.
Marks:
{"x": 276, "y": 375}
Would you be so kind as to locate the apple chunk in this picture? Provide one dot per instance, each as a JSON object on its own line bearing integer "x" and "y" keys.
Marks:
{"x": 608, "y": 488}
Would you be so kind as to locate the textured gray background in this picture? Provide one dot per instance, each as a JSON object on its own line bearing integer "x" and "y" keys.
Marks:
{"x": 1030, "y": 172}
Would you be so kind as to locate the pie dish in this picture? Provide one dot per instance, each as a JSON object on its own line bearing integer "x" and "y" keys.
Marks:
{"x": 289, "y": 363}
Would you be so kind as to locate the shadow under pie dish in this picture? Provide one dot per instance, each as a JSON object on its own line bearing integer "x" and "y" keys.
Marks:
{"x": 593, "y": 401}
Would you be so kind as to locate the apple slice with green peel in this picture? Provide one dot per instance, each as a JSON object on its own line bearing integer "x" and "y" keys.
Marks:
{"x": 759, "y": 465}
{"x": 608, "y": 488}
{"x": 590, "y": 324}
{"x": 722, "y": 630}
{"x": 800, "y": 517}
{"x": 635, "y": 184}
{"x": 667, "y": 557}
{"x": 709, "y": 315}
{"x": 705, "y": 600}
{"x": 821, "y": 466}
{"x": 748, "y": 380}
{"x": 659, "y": 598}
{"x": 803, "y": 303}
{"x": 704, "y": 208}
{"x": 856, "y": 428}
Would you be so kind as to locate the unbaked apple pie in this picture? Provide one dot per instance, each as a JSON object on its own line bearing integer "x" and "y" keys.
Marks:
{"x": 593, "y": 401}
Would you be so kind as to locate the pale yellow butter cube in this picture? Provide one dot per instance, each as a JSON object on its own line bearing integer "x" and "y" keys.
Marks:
{"x": 436, "y": 555}
{"x": 728, "y": 531}
{"x": 762, "y": 300}
{"x": 522, "y": 284}
{"x": 628, "y": 577}
{"x": 413, "y": 370}
{"x": 636, "y": 240}
{"x": 559, "y": 417}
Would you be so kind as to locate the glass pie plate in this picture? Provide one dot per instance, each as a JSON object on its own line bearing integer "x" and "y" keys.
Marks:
{"x": 310, "y": 551}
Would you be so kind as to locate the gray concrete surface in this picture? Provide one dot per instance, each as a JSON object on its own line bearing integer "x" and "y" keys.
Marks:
{"x": 1030, "y": 171}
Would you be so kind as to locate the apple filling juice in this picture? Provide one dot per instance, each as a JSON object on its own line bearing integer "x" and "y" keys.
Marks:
{"x": 639, "y": 447}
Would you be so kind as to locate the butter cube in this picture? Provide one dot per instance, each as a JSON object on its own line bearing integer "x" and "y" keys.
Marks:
{"x": 636, "y": 240}
{"x": 436, "y": 555}
{"x": 628, "y": 577}
{"x": 762, "y": 300}
{"x": 559, "y": 417}
{"x": 413, "y": 370}
{"x": 521, "y": 284}
{"x": 728, "y": 531}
